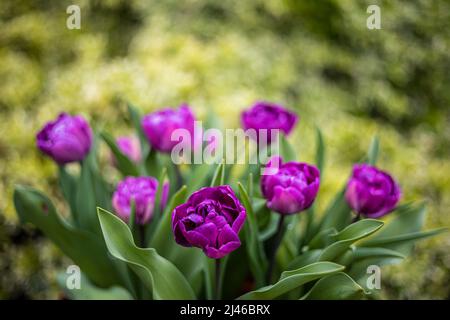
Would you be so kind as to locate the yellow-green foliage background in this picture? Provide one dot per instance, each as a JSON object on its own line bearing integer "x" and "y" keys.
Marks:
{"x": 316, "y": 57}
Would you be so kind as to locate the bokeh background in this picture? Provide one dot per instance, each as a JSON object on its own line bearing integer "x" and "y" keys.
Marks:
{"x": 316, "y": 57}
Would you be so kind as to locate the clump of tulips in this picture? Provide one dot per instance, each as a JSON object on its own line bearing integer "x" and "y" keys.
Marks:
{"x": 168, "y": 231}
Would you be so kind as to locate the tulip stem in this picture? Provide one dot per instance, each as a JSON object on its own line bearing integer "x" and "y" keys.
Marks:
{"x": 218, "y": 280}
{"x": 141, "y": 231}
{"x": 356, "y": 218}
{"x": 274, "y": 248}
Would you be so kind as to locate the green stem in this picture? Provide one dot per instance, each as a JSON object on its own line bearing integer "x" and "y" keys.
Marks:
{"x": 218, "y": 292}
{"x": 274, "y": 249}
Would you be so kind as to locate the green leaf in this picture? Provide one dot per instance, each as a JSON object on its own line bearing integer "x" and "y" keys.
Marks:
{"x": 320, "y": 152}
{"x": 219, "y": 175}
{"x": 87, "y": 250}
{"x": 185, "y": 259}
{"x": 89, "y": 291}
{"x": 335, "y": 287}
{"x": 322, "y": 238}
{"x": 68, "y": 184}
{"x": 348, "y": 236}
{"x": 293, "y": 279}
{"x": 372, "y": 154}
{"x": 286, "y": 150}
{"x": 153, "y": 164}
{"x": 86, "y": 199}
{"x": 159, "y": 275}
{"x": 135, "y": 117}
{"x": 198, "y": 176}
{"x": 304, "y": 259}
{"x": 402, "y": 230}
{"x": 255, "y": 250}
{"x": 338, "y": 213}
{"x": 362, "y": 253}
{"x": 124, "y": 164}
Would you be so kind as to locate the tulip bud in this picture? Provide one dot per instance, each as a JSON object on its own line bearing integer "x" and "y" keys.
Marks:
{"x": 292, "y": 188}
{"x": 67, "y": 139}
{"x": 371, "y": 192}
{"x": 130, "y": 147}
{"x": 158, "y": 126}
{"x": 210, "y": 219}
{"x": 268, "y": 116}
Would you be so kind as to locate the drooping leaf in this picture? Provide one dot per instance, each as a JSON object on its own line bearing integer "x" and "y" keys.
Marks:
{"x": 87, "y": 250}
{"x": 293, "y": 279}
{"x": 158, "y": 274}
{"x": 335, "y": 287}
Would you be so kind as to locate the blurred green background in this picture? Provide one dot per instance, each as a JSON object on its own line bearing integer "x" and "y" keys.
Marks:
{"x": 317, "y": 57}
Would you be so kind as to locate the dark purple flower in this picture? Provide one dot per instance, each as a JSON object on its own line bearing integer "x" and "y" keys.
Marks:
{"x": 265, "y": 115}
{"x": 371, "y": 192}
{"x": 130, "y": 147}
{"x": 210, "y": 219}
{"x": 141, "y": 191}
{"x": 159, "y": 126}
{"x": 292, "y": 187}
{"x": 67, "y": 139}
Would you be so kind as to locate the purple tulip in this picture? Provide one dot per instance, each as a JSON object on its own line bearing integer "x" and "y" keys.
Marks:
{"x": 210, "y": 219}
{"x": 67, "y": 139}
{"x": 130, "y": 147}
{"x": 371, "y": 192}
{"x": 159, "y": 126}
{"x": 142, "y": 191}
{"x": 292, "y": 188}
{"x": 265, "y": 115}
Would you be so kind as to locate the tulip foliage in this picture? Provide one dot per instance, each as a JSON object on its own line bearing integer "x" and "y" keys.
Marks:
{"x": 206, "y": 231}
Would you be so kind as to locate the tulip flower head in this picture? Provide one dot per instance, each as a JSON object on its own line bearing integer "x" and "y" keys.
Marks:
{"x": 293, "y": 188}
{"x": 211, "y": 220}
{"x": 371, "y": 192}
{"x": 66, "y": 139}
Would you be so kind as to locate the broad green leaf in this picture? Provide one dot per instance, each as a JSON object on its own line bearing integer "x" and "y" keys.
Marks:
{"x": 293, "y": 279}
{"x": 322, "y": 238}
{"x": 219, "y": 175}
{"x": 348, "y": 236}
{"x": 86, "y": 200}
{"x": 335, "y": 287}
{"x": 185, "y": 259}
{"x": 159, "y": 275}
{"x": 402, "y": 230}
{"x": 362, "y": 253}
{"x": 255, "y": 250}
{"x": 372, "y": 154}
{"x": 338, "y": 214}
{"x": 124, "y": 164}
{"x": 87, "y": 250}
{"x": 89, "y": 291}
{"x": 68, "y": 184}
{"x": 304, "y": 259}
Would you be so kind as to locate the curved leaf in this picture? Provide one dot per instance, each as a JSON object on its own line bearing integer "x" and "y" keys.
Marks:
{"x": 348, "y": 236}
{"x": 159, "y": 275}
{"x": 124, "y": 164}
{"x": 335, "y": 287}
{"x": 290, "y": 280}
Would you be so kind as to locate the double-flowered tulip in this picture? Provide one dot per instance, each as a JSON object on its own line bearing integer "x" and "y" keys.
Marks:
{"x": 289, "y": 187}
{"x": 66, "y": 139}
{"x": 371, "y": 192}
{"x": 159, "y": 126}
{"x": 139, "y": 192}
{"x": 130, "y": 147}
{"x": 210, "y": 219}
{"x": 268, "y": 116}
